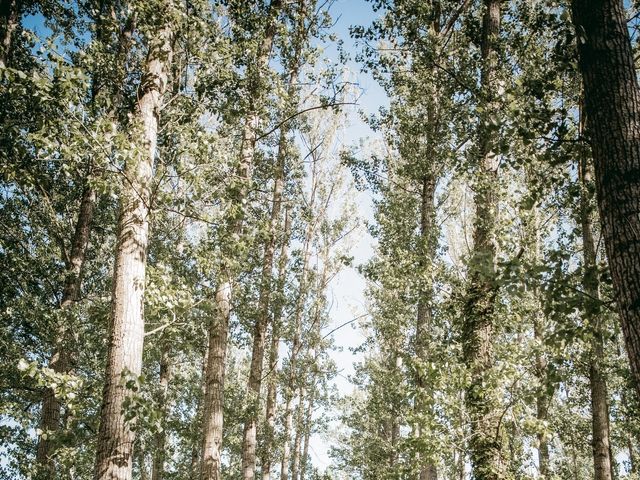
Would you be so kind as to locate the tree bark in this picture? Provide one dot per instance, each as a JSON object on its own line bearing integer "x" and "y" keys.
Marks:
{"x": 306, "y": 425}
{"x": 126, "y": 329}
{"x": 612, "y": 105}
{"x": 61, "y": 359}
{"x": 257, "y": 354}
{"x": 601, "y": 443}
{"x": 295, "y": 460}
{"x": 482, "y": 398}
{"x": 290, "y": 387}
{"x": 10, "y": 18}
{"x": 260, "y": 329}
{"x": 270, "y": 415}
{"x": 157, "y": 469}
{"x": 428, "y": 237}
{"x": 214, "y": 387}
{"x": 214, "y": 400}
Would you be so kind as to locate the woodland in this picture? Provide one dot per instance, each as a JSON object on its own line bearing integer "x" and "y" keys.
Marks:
{"x": 178, "y": 197}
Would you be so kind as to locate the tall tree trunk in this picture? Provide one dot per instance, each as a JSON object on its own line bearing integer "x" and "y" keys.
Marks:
{"x": 428, "y": 237}
{"x": 542, "y": 398}
{"x": 296, "y": 344}
{"x": 482, "y": 402}
{"x": 126, "y": 329}
{"x": 257, "y": 354}
{"x": 219, "y": 331}
{"x": 157, "y": 470}
{"x": 270, "y": 415}
{"x": 249, "y": 442}
{"x": 295, "y": 460}
{"x": 10, "y": 17}
{"x": 543, "y": 393}
{"x": 196, "y": 446}
{"x": 601, "y": 442}
{"x": 306, "y": 425}
{"x": 612, "y": 105}
{"x": 61, "y": 360}
{"x": 214, "y": 387}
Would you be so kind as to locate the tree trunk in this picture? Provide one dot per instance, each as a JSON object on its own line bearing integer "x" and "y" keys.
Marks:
{"x": 543, "y": 394}
{"x": 157, "y": 470}
{"x": 61, "y": 360}
{"x": 612, "y": 105}
{"x": 10, "y": 17}
{"x": 601, "y": 443}
{"x": 482, "y": 398}
{"x": 542, "y": 398}
{"x": 196, "y": 446}
{"x": 257, "y": 354}
{"x": 214, "y": 400}
{"x": 290, "y": 387}
{"x": 428, "y": 237}
{"x": 295, "y": 461}
{"x": 270, "y": 416}
{"x": 214, "y": 387}
{"x": 126, "y": 329}
{"x": 307, "y": 424}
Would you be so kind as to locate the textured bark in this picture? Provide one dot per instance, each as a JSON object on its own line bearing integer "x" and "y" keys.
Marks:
{"x": 9, "y": 18}
{"x": 601, "y": 443}
{"x": 126, "y": 329}
{"x": 61, "y": 359}
{"x": 214, "y": 400}
{"x": 612, "y": 106}
{"x": 214, "y": 387}
{"x": 482, "y": 402}
{"x": 270, "y": 415}
{"x": 157, "y": 469}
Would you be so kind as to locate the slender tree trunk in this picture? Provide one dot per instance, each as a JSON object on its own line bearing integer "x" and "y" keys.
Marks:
{"x": 295, "y": 460}
{"x": 214, "y": 387}
{"x": 260, "y": 329}
{"x": 307, "y": 424}
{"x": 428, "y": 237}
{"x": 126, "y": 329}
{"x": 157, "y": 471}
{"x": 612, "y": 105}
{"x": 257, "y": 355}
{"x": 601, "y": 443}
{"x": 10, "y": 18}
{"x": 632, "y": 457}
{"x": 270, "y": 415}
{"x": 542, "y": 398}
{"x": 290, "y": 387}
{"x": 61, "y": 360}
{"x": 482, "y": 402}
{"x": 214, "y": 400}
{"x": 543, "y": 393}
{"x": 196, "y": 446}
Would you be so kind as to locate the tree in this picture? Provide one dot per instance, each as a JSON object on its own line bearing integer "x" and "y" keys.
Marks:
{"x": 612, "y": 106}
{"x": 126, "y": 331}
